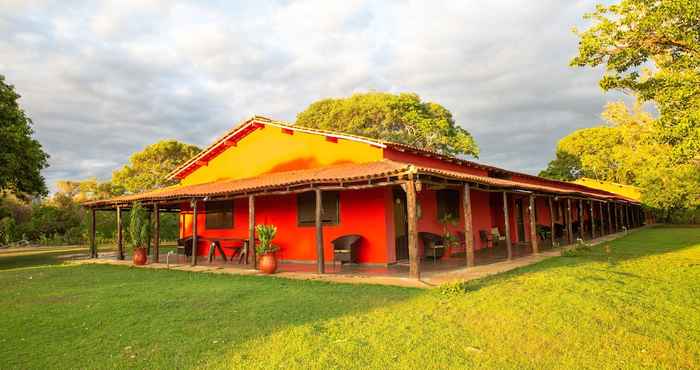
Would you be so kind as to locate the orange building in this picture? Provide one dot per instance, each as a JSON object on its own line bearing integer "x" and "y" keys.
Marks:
{"x": 270, "y": 172}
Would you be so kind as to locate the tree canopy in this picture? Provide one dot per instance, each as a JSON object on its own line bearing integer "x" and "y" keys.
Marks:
{"x": 652, "y": 49}
{"x": 626, "y": 150}
{"x": 21, "y": 156}
{"x": 402, "y": 118}
{"x": 148, "y": 168}
{"x": 565, "y": 167}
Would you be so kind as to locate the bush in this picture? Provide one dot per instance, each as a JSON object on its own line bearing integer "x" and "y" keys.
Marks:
{"x": 7, "y": 230}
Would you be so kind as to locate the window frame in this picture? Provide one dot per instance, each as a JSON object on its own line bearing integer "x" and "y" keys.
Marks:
{"x": 222, "y": 207}
{"x": 310, "y": 207}
{"x": 443, "y": 203}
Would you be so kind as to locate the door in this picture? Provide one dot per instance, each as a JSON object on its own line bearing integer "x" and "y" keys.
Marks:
{"x": 400, "y": 224}
{"x": 519, "y": 219}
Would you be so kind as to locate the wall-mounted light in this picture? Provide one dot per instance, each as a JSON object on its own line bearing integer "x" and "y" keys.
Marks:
{"x": 419, "y": 186}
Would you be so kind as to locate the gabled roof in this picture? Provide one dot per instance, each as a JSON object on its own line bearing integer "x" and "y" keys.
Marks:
{"x": 256, "y": 122}
{"x": 249, "y": 125}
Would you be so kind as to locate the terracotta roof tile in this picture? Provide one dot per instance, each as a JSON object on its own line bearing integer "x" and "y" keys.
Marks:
{"x": 275, "y": 180}
{"x": 331, "y": 174}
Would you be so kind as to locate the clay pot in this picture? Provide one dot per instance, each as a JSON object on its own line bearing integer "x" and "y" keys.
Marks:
{"x": 140, "y": 256}
{"x": 268, "y": 263}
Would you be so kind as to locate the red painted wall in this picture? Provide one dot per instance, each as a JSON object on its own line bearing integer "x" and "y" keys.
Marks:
{"x": 361, "y": 212}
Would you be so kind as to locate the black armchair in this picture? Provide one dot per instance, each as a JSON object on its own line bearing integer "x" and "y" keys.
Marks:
{"x": 345, "y": 248}
{"x": 433, "y": 245}
{"x": 184, "y": 246}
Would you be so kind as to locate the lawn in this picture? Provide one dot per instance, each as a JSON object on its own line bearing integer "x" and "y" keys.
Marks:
{"x": 637, "y": 306}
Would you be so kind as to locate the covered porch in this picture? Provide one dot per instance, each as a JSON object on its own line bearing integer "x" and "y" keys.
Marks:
{"x": 498, "y": 219}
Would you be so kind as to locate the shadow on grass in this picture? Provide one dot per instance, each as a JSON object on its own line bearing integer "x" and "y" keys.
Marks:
{"x": 642, "y": 243}
{"x": 150, "y": 318}
{"x": 34, "y": 259}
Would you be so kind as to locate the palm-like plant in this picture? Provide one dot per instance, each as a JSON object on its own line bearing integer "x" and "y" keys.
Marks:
{"x": 139, "y": 227}
{"x": 265, "y": 234}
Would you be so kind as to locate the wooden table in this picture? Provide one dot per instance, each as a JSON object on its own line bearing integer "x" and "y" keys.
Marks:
{"x": 241, "y": 250}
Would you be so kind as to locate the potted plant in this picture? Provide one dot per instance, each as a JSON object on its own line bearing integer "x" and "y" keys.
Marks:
{"x": 448, "y": 239}
{"x": 265, "y": 250}
{"x": 139, "y": 233}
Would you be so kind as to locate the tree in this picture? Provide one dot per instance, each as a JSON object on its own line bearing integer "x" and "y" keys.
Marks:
{"x": 565, "y": 167}
{"x": 652, "y": 48}
{"x": 21, "y": 156}
{"x": 402, "y": 118}
{"x": 147, "y": 169}
{"x": 626, "y": 150}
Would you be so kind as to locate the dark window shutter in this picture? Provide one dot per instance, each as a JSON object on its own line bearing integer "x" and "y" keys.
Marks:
{"x": 219, "y": 215}
{"x": 447, "y": 203}
{"x": 306, "y": 208}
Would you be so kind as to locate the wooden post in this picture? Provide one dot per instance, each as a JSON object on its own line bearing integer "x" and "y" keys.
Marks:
{"x": 156, "y": 233}
{"x": 320, "y": 262}
{"x": 120, "y": 240}
{"x": 580, "y": 218}
{"x": 533, "y": 227}
{"x": 552, "y": 237}
{"x": 616, "y": 220}
{"x": 194, "y": 231}
{"x": 148, "y": 245}
{"x": 590, "y": 204}
{"x": 627, "y": 216}
{"x": 610, "y": 224}
{"x": 413, "y": 255}
{"x": 468, "y": 231}
{"x": 93, "y": 245}
{"x": 602, "y": 219}
{"x": 509, "y": 245}
{"x": 569, "y": 228}
{"x": 250, "y": 256}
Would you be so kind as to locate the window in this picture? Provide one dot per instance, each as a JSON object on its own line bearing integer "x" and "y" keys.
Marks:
{"x": 306, "y": 208}
{"x": 447, "y": 203}
{"x": 219, "y": 215}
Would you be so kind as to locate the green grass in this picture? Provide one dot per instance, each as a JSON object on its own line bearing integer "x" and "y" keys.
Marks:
{"x": 637, "y": 307}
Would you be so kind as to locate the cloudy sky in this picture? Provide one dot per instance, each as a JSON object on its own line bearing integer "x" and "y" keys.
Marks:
{"x": 102, "y": 80}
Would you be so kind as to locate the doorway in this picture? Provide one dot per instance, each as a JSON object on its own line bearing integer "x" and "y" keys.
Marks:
{"x": 400, "y": 224}
{"x": 520, "y": 220}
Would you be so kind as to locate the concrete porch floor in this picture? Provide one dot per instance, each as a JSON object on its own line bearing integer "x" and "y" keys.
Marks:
{"x": 489, "y": 261}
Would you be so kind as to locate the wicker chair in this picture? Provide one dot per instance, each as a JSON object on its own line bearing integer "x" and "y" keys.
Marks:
{"x": 486, "y": 237}
{"x": 433, "y": 245}
{"x": 184, "y": 247}
{"x": 345, "y": 248}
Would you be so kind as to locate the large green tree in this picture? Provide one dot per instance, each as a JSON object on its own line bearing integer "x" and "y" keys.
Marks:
{"x": 626, "y": 150}
{"x": 565, "y": 167}
{"x": 148, "y": 168}
{"x": 402, "y": 118}
{"x": 652, "y": 48}
{"x": 21, "y": 156}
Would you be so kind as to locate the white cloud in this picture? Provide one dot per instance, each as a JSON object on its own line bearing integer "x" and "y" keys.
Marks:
{"x": 101, "y": 80}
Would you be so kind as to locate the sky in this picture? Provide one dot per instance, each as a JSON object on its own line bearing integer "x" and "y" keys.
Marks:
{"x": 102, "y": 80}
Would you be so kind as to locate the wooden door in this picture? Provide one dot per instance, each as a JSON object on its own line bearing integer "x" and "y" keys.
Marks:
{"x": 520, "y": 220}
{"x": 400, "y": 224}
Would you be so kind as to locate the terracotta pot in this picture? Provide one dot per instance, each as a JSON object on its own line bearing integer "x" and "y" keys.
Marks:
{"x": 140, "y": 256}
{"x": 268, "y": 263}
